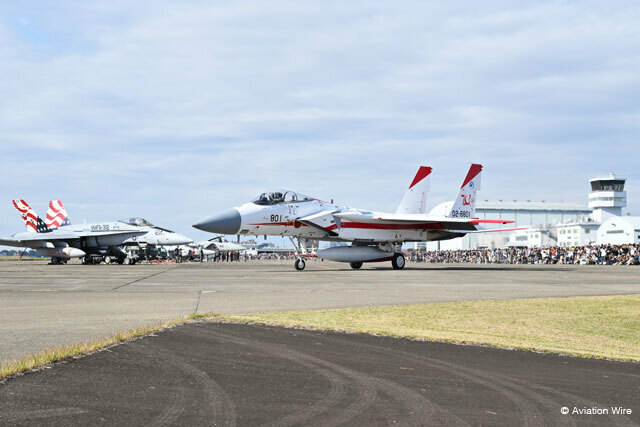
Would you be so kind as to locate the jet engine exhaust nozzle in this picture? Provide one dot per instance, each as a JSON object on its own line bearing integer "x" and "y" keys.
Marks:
{"x": 226, "y": 222}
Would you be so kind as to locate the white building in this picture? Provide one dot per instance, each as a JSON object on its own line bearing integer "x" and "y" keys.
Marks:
{"x": 579, "y": 233}
{"x": 550, "y": 223}
{"x": 619, "y": 230}
{"x": 607, "y": 197}
{"x": 535, "y": 215}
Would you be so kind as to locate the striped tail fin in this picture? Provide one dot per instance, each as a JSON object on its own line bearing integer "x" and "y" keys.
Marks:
{"x": 415, "y": 198}
{"x": 56, "y": 215}
{"x": 31, "y": 219}
{"x": 465, "y": 204}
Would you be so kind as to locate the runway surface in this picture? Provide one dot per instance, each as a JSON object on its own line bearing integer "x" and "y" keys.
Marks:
{"x": 45, "y": 306}
{"x": 224, "y": 374}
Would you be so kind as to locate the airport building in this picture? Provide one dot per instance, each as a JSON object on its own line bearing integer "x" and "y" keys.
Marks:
{"x": 551, "y": 223}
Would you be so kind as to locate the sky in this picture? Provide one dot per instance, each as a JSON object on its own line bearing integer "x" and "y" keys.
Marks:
{"x": 172, "y": 111}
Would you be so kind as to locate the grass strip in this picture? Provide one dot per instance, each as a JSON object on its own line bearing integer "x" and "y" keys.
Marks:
{"x": 46, "y": 357}
{"x": 594, "y": 327}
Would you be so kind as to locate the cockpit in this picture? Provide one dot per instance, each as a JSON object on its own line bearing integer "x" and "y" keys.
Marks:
{"x": 138, "y": 222}
{"x": 141, "y": 222}
{"x": 277, "y": 197}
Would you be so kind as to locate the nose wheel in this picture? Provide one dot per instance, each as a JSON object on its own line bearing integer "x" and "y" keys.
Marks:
{"x": 299, "y": 264}
{"x": 397, "y": 261}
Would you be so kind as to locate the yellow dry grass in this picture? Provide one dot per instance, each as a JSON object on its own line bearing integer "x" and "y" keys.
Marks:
{"x": 46, "y": 357}
{"x": 598, "y": 327}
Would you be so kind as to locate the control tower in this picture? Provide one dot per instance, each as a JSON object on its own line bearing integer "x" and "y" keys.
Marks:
{"x": 607, "y": 197}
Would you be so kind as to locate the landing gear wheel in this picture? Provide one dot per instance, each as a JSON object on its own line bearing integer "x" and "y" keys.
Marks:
{"x": 398, "y": 261}
{"x": 107, "y": 260}
{"x": 355, "y": 265}
{"x": 299, "y": 264}
{"x": 127, "y": 261}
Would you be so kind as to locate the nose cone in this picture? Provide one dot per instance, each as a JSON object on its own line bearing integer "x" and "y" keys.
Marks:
{"x": 227, "y": 222}
{"x": 179, "y": 239}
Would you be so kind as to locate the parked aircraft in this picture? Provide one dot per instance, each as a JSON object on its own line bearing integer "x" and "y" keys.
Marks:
{"x": 93, "y": 242}
{"x": 374, "y": 236}
{"x": 211, "y": 247}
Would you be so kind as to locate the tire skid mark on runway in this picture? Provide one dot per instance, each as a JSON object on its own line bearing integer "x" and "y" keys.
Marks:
{"x": 218, "y": 404}
{"x": 514, "y": 391}
{"x": 171, "y": 413}
{"x": 573, "y": 400}
{"x": 419, "y": 409}
{"x": 337, "y": 383}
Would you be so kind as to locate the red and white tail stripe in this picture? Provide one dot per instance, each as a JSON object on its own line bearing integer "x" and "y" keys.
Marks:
{"x": 28, "y": 215}
{"x": 56, "y": 214}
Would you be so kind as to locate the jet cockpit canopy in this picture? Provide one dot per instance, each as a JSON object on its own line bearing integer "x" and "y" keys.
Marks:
{"x": 276, "y": 197}
{"x": 139, "y": 222}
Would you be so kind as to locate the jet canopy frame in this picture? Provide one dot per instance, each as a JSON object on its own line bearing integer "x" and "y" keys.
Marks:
{"x": 277, "y": 197}
{"x": 138, "y": 222}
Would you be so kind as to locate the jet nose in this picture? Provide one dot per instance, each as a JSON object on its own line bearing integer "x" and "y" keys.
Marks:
{"x": 177, "y": 239}
{"x": 227, "y": 222}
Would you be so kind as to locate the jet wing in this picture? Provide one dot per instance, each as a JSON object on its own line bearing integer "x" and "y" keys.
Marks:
{"x": 26, "y": 239}
{"x": 418, "y": 221}
{"x": 323, "y": 221}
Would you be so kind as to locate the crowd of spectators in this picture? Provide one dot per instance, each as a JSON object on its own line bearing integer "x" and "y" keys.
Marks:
{"x": 583, "y": 255}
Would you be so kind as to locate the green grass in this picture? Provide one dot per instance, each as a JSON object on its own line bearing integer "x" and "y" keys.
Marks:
{"x": 24, "y": 258}
{"x": 596, "y": 327}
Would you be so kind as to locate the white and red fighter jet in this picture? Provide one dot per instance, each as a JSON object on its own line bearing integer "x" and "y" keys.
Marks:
{"x": 374, "y": 236}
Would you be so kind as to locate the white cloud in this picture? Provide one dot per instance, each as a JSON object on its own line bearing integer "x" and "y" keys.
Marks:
{"x": 173, "y": 110}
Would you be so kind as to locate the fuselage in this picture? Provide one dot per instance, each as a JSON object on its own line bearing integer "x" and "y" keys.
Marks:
{"x": 283, "y": 219}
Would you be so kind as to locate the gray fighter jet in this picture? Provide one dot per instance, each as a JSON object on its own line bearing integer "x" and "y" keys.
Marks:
{"x": 108, "y": 241}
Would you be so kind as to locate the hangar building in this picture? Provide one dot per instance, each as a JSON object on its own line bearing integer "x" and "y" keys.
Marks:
{"x": 552, "y": 223}
{"x": 620, "y": 230}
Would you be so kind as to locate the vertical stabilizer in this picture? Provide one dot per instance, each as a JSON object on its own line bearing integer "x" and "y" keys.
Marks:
{"x": 30, "y": 218}
{"x": 415, "y": 198}
{"x": 56, "y": 215}
{"x": 465, "y": 204}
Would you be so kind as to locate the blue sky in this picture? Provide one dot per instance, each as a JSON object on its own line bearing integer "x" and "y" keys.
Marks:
{"x": 174, "y": 110}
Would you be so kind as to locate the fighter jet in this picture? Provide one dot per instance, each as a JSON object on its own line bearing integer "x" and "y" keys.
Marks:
{"x": 374, "y": 236}
{"x": 211, "y": 247}
{"x": 107, "y": 240}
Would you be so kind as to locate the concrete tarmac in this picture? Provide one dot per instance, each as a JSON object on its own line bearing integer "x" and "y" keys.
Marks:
{"x": 225, "y": 374}
{"x": 45, "y": 306}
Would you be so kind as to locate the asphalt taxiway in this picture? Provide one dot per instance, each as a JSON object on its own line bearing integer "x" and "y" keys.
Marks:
{"x": 226, "y": 374}
{"x": 45, "y": 306}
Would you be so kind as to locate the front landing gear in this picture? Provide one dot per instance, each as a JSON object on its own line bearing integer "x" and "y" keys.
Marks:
{"x": 300, "y": 264}
{"x": 355, "y": 265}
{"x": 397, "y": 261}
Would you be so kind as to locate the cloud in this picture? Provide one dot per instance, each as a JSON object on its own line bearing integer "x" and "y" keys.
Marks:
{"x": 173, "y": 110}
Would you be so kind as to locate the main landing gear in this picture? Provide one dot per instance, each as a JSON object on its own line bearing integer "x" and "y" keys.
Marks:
{"x": 398, "y": 261}
{"x": 355, "y": 265}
